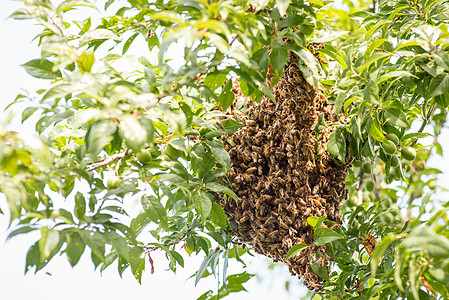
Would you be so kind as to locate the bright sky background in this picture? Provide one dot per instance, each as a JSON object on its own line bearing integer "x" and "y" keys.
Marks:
{"x": 82, "y": 282}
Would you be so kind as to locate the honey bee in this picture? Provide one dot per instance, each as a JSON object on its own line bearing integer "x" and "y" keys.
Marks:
{"x": 317, "y": 203}
{"x": 251, "y": 123}
{"x": 252, "y": 170}
{"x": 255, "y": 157}
{"x": 296, "y": 182}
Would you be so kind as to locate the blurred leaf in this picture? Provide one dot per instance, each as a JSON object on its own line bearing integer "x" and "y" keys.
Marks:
{"x": 41, "y": 68}
{"x": 227, "y": 96}
{"x": 134, "y": 134}
{"x": 99, "y": 135}
{"x": 424, "y": 238}
{"x": 379, "y": 251}
{"x": 282, "y": 6}
{"x": 86, "y": 61}
{"x": 98, "y": 34}
{"x": 72, "y": 4}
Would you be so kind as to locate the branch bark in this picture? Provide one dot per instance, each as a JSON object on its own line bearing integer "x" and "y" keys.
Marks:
{"x": 110, "y": 159}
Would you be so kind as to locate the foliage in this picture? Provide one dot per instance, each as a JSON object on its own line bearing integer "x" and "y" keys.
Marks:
{"x": 387, "y": 72}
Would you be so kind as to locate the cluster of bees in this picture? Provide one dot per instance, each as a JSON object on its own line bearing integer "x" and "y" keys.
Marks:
{"x": 283, "y": 174}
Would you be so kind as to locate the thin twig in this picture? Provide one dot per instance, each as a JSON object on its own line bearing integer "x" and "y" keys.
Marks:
{"x": 233, "y": 39}
{"x": 119, "y": 162}
{"x": 110, "y": 159}
{"x": 424, "y": 123}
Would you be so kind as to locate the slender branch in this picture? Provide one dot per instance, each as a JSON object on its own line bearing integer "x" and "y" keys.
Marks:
{"x": 119, "y": 162}
{"x": 426, "y": 120}
{"x": 233, "y": 39}
{"x": 110, "y": 159}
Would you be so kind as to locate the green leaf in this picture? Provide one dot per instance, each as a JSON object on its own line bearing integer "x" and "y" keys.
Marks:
{"x": 441, "y": 59}
{"x": 278, "y": 59}
{"x": 373, "y": 58}
{"x": 99, "y": 135}
{"x": 319, "y": 270}
{"x": 230, "y": 126}
{"x": 282, "y": 6}
{"x": 178, "y": 257}
{"x": 400, "y": 257}
{"x": 137, "y": 262}
{"x": 20, "y": 230}
{"x": 60, "y": 90}
{"x": 153, "y": 208}
{"x": 218, "y": 188}
{"x": 204, "y": 265}
{"x": 324, "y": 36}
{"x": 296, "y": 249}
{"x": 227, "y": 96}
{"x": 371, "y": 92}
{"x": 86, "y": 61}
{"x": 219, "y": 153}
{"x": 396, "y": 117}
{"x": 424, "y": 238}
{"x": 72, "y": 4}
{"x": 379, "y": 251}
{"x": 374, "y": 129}
{"x": 203, "y": 203}
{"x": 439, "y": 85}
{"x": 119, "y": 243}
{"x": 28, "y": 112}
{"x": 41, "y": 68}
{"x": 33, "y": 258}
{"x": 394, "y": 74}
{"x": 290, "y": 21}
{"x": 128, "y": 42}
{"x": 323, "y": 235}
{"x": 218, "y": 216}
{"x": 95, "y": 240}
{"x": 337, "y": 144}
{"x": 339, "y": 101}
{"x": 134, "y": 134}
{"x": 315, "y": 221}
{"x": 214, "y": 80}
{"x": 310, "y": 67}
{"x": 80, "y": 206}
{"x": 48, "y": 242}
{"x": 98, "y": 34}
{"x": 75, "y": 248}
{"x": 173, "y": 179}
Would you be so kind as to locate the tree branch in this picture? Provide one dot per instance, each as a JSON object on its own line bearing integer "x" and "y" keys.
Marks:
{"x": 110, "y": 159}
{"x": 426, "y": 120}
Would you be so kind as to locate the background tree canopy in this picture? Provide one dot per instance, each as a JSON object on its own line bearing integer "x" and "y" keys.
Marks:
{"x": 165, "y": 127}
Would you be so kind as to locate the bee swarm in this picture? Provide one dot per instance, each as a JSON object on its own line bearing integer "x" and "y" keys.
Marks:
{"x": 283, "y": 174}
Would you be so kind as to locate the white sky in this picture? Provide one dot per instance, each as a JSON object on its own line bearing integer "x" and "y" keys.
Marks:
{"x": 82, "y": 282}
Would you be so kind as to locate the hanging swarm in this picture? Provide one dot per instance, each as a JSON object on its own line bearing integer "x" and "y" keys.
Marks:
{"x": 283, "y": 174}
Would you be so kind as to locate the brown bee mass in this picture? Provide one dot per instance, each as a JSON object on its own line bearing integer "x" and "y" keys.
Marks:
{"x": 283, "y": 174}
